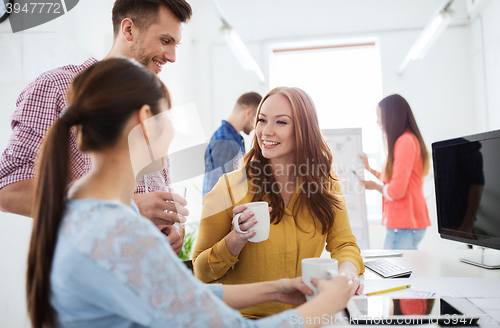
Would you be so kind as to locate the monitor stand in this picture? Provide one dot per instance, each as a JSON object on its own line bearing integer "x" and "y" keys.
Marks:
{"x": 488, "y": 261}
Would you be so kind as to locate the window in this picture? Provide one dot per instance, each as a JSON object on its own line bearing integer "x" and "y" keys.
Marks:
{"x": 345, "y": 81}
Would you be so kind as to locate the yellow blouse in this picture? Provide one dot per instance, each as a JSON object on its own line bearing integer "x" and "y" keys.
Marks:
{"x": 277, "y": 257}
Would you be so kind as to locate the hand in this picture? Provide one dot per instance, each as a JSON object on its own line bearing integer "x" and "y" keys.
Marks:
{"x": 245, "y": 223}
{"x": 340, "y": 286}
{"x": 235, "y": 241}
{"x": 175, "y": 234}
{"x": 364, "y": 158}
{"x": 351, "y": 271}
{"x": 370, "y": 185}
{"x": 292, "y": 291}
{"x": 154, "y": 204}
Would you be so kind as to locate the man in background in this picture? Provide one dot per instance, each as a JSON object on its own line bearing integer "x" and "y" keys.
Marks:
{"x": 227, "y": 146}
{"x": 145, "y": 30}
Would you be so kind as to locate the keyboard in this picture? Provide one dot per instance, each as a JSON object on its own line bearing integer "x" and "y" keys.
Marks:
{"x": 387, "y": 269}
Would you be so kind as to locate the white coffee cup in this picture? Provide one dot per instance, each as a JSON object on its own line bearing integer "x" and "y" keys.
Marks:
{"x": 318, "y": 268}
{"x": 261, "y": 210}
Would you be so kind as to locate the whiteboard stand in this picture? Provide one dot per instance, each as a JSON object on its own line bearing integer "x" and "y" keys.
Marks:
{"x": 346, "y": 146}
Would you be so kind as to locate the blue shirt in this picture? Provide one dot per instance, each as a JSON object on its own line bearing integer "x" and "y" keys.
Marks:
{"x": 225, "y": 149}
{"x": 114, "y": 268}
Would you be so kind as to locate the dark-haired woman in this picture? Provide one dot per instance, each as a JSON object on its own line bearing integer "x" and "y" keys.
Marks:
{"x": 290, "y": 167}
{"x": 404, "y": 208}
{"x": 94, "y": 261}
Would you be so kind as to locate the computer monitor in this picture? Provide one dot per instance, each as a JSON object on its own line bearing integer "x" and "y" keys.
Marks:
{"x": 467, "y": 184}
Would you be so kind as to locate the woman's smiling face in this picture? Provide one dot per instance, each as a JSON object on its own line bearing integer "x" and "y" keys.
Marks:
{"x": 275, "y": 130}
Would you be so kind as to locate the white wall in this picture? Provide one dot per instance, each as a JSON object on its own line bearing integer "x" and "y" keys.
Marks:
{"x": 485, "y": 53}
{"x": 63, "y": 41}
{"x": 438, "y": 87}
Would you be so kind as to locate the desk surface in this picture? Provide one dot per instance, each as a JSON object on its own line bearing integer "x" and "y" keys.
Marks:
{"x": 439, "y": 263}
{"x": 429, "y": 268}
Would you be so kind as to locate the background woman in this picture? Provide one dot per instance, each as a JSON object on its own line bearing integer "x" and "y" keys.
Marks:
{"x": 404, "y": 208}
{"x": 289, "y": 166}
{"x": 94, "y": 261}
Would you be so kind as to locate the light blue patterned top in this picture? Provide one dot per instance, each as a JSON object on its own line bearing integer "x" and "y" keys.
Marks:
{"x": 113, "y": 268}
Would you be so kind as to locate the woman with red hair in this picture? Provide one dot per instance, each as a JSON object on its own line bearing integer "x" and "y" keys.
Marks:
{"x": 289, "y": 167}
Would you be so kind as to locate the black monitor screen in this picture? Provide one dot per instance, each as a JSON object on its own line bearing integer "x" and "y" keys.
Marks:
{"x": 467, "y": 182}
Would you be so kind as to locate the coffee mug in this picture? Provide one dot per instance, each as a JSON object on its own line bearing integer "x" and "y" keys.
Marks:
{"x": 261, "y": 210}
{"x": 318, "y": 268}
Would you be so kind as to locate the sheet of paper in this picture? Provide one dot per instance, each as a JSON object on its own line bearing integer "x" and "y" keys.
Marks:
{"x": 486, "y": 303}
{"x": 454, "y": 287}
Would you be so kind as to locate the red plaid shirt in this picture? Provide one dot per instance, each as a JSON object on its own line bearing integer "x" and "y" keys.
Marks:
{"x": 38, "y": 106}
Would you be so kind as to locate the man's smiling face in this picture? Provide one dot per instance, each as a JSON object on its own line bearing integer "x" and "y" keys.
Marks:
{"x": 155, "y": 45}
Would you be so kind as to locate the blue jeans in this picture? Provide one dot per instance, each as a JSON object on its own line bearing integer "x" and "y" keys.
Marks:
{"x": 403, "y": 238}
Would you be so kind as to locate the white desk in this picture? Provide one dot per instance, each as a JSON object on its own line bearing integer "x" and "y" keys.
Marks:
{"x": 439, "y": 263}
{"x": 442, "y": 272}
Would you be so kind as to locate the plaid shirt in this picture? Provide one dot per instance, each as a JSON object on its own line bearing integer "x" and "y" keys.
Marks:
{"x": 38, "y": 106}
{"x": 226, "y": 148}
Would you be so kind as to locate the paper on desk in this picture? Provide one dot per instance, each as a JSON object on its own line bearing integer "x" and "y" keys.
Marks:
{"x": 491, "y": 306}
{"x": 486, "y": 303}
{"x": 419, "y": 293}
{"x": 454, "y": 287}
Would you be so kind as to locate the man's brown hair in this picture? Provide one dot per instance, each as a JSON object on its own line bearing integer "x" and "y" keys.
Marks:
{"x": 249, "y": 99}
{"x": 145, "y": 12}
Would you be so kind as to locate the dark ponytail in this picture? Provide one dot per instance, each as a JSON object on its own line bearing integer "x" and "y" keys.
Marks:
{"x": 99, "y": 108}
{"x": 53, "y": 176}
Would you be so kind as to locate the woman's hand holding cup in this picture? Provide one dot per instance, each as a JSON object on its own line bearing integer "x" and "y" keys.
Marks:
{"x": 251, "y": 223}
{"x": 244, "y": 222}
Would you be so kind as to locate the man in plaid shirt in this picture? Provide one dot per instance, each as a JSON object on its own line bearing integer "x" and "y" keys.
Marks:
{"x": 146, "y": 30}
{"x": 227, "y": 147}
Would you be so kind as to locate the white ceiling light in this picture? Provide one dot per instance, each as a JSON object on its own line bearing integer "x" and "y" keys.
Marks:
{"x": 239, "y": 49}
{"x": 237, "y": 45}
{"x": 429, "y": 35}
